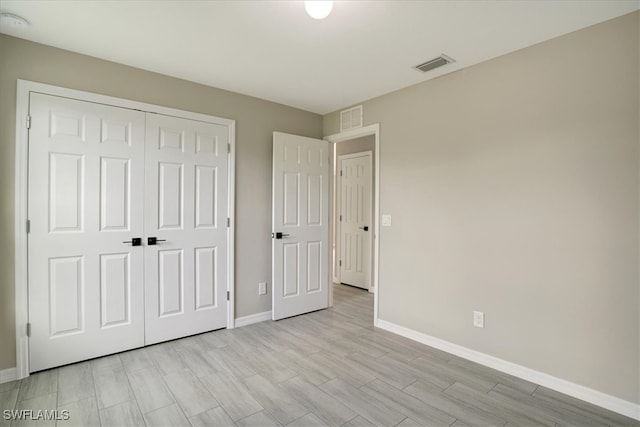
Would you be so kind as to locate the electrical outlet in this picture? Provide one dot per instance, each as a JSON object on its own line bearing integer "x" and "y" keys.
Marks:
{"x": 386, "y": 220}
{"x": 262, "y": 288}
{"x": 478, "y": 319}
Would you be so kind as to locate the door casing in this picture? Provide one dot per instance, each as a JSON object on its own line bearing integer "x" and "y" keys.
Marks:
{"x": 374, "y": 130}
{"x": 24, "y": 88}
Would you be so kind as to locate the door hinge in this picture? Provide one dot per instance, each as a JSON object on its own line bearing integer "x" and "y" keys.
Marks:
{"x": 228, "y": 147}
{"x": 28, "y": 226}
{"x": 28, "y": 329}
{"x": 228, "y": 222}
{"x": 340, "y": 172}
{"x": 228, "y": 295}
{"x": 340, "y": 263}
{"x": 28, "y": 122}
{"x": 340, "y": 218}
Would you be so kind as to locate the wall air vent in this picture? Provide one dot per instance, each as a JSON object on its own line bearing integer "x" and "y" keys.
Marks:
{"x": 434, "y": 63}
{"x": 351, "y": 118}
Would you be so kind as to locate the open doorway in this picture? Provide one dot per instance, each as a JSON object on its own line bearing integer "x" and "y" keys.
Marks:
{"x": 354, "y": 237}
{"x": 353, "y": 212}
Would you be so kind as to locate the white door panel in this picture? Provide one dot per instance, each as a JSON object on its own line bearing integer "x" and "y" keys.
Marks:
{"x": 85, "y": 284}
{"x": 301, "y": 214}
{"x": 98, "y": 177}
{"x": 355, "y": 219}
{"x": 186, "y": 209}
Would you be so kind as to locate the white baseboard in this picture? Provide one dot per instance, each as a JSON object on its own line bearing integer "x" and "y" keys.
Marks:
{"x": 595, "y": 397}
{"x": 253, "y": 318}
{"x": 7, "y": 375}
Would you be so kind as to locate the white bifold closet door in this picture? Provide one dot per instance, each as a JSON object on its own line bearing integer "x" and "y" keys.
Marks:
{"x": 186, "y": 211}
{"x": 100, "y": 177}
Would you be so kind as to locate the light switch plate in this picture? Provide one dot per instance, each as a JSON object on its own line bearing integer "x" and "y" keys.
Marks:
{"x": 262, "y": 288}
{"x": 386, "y": 220}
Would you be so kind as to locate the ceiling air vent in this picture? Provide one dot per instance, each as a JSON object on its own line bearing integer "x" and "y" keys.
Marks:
{"x": 351, "y": 118}
{"x": 434, "y": 63}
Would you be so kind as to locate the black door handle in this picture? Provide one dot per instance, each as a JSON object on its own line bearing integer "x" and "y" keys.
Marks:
{"x": 365, "y": 228}
{"x": 278, "y": 235}
{"x": 135, "y": 241}
{"x": 153, "y": 240}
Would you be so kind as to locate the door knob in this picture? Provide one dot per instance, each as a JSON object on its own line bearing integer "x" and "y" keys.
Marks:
{"x": 365, "y": 228}
{"x": 278, "y": 235}
{"x": 154, "y": 240}
{"x": 135, "y": 241}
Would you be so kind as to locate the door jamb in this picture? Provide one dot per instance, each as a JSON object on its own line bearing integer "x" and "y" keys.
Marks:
{"x": 373, "y": 129}
{"x": 24, "y": 88}
{"x": 338, "y": 208}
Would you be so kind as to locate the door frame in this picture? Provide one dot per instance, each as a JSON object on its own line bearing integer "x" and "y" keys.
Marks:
{"x": 373, "y": 129}
{"x": 24, "y": 88}
{"x": 338, "y": 209}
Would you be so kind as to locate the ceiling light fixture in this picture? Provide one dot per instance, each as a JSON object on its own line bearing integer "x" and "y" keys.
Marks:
{"x": 13, "y": 20}
{"x": 318, "y": 9}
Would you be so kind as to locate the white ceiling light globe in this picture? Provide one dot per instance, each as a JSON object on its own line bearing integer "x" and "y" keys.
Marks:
{"x": 318, "y": 9}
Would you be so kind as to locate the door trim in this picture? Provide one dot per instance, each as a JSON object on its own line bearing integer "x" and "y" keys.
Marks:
{"x": 373, "y": 129}
{"x": 24, "y": 88}
{"x": 338, "y": 208}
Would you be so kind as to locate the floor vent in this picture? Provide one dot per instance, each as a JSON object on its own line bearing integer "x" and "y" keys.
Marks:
{"x": 351, "y": 118}
{"x": 434, "y": 63}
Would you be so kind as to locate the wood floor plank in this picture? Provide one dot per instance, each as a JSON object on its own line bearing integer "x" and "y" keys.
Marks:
{"x": 136, "y": 360}
{"x": 330, "y": 410}
{"x": 44, "y": 402}
{"x": 150, "y": 390}
{"x": 124, "y": 414}
{"x": 39, "y": 384}
{"x": 487, "y": 403}
{"x": 166, "y": 358}
{"x": 309, "y": 420}
{"x": 232, "y": 362}
{"x": 75, "y": 382}
{"x": 534, "y": 408}
{"x": 276, "y": 401}
{"x": 307, "y": 368}
{"x": 364, "y": 404}
{"x": 355, "y": 373}
{"x": 214, "y": 417}
{"x": 330, "y": 368}
{"x": 82, "y": 413}
{"x": 112, "y": 385}
{"x": 232, "y": 395}
{"x": 8, "y": 401}
{"x": 459, "y": 410}
{"x": 556, "y": 399}
{"x": 408, "y": 405}
{"x": 259, "y": 419}
{"x": 167, "y": 416}
{"x": 192, "y": 396}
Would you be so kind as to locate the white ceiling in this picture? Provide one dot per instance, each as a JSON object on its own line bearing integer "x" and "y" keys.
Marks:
{"x": 273, "y": 50}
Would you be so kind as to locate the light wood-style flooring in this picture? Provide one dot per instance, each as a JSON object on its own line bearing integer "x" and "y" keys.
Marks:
{"x": 327, "y": 368}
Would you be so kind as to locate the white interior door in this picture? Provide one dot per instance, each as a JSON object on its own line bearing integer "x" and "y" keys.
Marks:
{"x": 355, "y": 219}
{"x": 86, "y": 169}
{"x": 186, "y": 211}
{"x": 300, "y": 244}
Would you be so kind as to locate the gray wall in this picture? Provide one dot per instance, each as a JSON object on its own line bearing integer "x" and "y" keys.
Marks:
{"x": 255, "y": 121}
{"x": 514, "y": 190}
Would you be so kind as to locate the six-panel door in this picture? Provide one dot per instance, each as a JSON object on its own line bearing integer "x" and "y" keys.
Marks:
{"x": 186, "y": 210}
{"x": 355, "y": 219}
{"x": 99, "y": 177}
{"x": 301, "y": 213}
{"x": 86, "y": 164}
